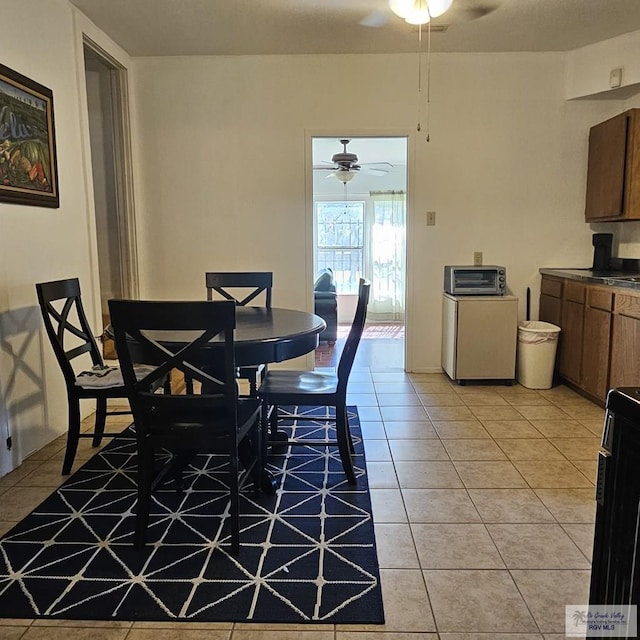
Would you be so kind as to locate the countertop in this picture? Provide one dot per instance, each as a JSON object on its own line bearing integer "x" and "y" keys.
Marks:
{"x": 622, "y": 279}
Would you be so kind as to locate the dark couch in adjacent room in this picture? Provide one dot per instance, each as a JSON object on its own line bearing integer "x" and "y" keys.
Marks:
{"x": 326, "y": 304}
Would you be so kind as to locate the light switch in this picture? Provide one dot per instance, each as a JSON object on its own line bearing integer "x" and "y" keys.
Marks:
{"x": 431, "y": 218}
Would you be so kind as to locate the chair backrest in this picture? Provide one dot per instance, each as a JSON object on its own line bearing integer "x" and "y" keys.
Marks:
{"x": 66, "y": 324}
{"x": 355, "y": 333}
{"x": 257, "y": 281}
{"x": 156, "y": 409}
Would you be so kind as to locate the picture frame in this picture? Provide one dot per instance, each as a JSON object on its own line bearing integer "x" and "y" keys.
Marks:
{"x": 28, "y": 162}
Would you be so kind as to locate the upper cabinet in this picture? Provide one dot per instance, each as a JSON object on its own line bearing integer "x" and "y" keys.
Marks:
{"x": 613, "y": 173}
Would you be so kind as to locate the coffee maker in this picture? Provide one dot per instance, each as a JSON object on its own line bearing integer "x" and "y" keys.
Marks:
{"x": 602, "y": 251}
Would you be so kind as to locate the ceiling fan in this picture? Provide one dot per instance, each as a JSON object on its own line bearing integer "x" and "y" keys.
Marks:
{"x": 461, "y": 11}
{"x": 344, "y": 165}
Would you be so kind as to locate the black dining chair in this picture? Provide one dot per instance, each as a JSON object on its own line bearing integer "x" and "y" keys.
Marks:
{"x": 314, "y": 388}
{"x": 72, "y": 339}
{"x": 210, "y": 419}
{"x": 233, "y": 285}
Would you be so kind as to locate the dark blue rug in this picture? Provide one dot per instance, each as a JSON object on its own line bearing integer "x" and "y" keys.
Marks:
{"x": 307, "y": 553}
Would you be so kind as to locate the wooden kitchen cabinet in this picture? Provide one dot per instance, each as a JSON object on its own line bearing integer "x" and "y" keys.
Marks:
{"x": 596, "y": 341}
{"x": 613, "y": 170}
{"x": 551, "y": 300}
{"x": 599, "y": 346}
{"x": 572, "y": 325}
{"x": 625, "y": 342}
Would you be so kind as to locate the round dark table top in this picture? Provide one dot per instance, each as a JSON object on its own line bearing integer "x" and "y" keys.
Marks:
{"x": 264, "y": 335}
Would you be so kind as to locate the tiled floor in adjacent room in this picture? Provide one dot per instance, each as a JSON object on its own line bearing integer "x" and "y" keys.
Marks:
{"x": 483, "y": 501}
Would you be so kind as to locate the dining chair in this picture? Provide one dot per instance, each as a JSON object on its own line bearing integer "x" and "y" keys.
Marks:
{"x": 73, "y": 341}
{"x": 210, "y": 419}
{"x": 315, "y": 388}
{"x": 229, "y": 285}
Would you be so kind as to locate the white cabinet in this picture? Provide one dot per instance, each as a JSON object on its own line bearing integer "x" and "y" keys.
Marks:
{"x": 479, "y": 337}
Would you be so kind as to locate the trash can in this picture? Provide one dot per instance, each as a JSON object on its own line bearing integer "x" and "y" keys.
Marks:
{"x": 537, "y": 344}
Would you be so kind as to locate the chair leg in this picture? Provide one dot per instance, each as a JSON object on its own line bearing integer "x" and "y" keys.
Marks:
{"x": 349, "y": 436}
{"x": 145, "y": 479}
{"x": 258, "y": 457}
{"x": 234, "y": 511}
{"x": 273, "y": 420}
{"x": 73, "y": 435}
{"x": 343, "y": 437}
{"x": 253, "y": 386}
{"x": 101, "y": 419}
{"x": 264, "y": 427}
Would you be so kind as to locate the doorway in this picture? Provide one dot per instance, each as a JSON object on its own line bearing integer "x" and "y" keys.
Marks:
{"x": 112, "y": 178}
{"x": 359, "y": 230}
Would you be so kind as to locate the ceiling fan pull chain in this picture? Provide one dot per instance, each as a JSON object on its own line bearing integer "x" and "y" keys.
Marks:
{"x": 419, "y": 104}
{"x": 428, "y": 137}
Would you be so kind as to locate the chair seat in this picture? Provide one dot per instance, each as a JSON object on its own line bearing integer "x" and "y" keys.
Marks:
{"x": 294, "y": 382}
{"x": 183, "y": 428}
{"x": 101, "y": 377}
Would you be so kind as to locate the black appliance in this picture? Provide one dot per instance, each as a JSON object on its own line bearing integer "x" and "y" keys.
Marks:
{"x": 602, "y": 251}
{"x": 615, "y": 569}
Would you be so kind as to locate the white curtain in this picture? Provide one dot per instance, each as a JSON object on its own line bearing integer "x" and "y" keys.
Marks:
{"x": 387, "y": 256}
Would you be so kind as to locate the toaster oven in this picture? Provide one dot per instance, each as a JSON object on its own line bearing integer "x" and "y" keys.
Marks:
{"x": 472, "y": 280}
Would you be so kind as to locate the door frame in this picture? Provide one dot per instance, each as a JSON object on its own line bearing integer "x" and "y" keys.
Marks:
{"x": 123, "y": 161}
{"x": 124, "y": 169}
{"x": 350, "y": 133}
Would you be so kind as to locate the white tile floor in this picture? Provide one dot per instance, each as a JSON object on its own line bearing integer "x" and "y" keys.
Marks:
{"x": 483, "y": 504}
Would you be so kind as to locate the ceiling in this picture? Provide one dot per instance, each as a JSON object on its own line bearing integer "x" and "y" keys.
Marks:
{"x": 241, "y": 27}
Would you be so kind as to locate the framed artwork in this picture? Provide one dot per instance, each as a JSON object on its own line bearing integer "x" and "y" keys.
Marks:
{"x": 28, "y": 167}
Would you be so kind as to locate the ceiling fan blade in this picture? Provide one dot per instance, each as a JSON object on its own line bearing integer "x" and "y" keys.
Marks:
{"x": 320, "y": 167}
{"x": 385, "y": 166}
{"x": 375, "y": 19}
{"x": 374, "y": 172}
{"x": 474, "y": 10}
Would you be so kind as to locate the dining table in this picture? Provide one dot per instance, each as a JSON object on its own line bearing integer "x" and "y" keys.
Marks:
{"x": 261, "y": 336}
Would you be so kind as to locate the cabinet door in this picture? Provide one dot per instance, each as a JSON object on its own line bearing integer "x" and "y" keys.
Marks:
{"x": 625, "y": 343}
{"x": 550, "y": 310}
{"x": 572, "y": 333}
{"x": 606, "y": 168}
{"x": 595, "y": 352}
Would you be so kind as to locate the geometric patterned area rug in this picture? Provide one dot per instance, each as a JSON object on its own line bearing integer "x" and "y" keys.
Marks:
{"x": 307, "y": 553}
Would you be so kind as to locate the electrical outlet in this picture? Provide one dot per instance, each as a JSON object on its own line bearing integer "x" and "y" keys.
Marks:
{"x": 431, "y": 218}
{"x": 477, "y": 258}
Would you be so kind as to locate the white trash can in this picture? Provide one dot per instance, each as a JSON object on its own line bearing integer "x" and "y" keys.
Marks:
{"x": 537, "y": 344}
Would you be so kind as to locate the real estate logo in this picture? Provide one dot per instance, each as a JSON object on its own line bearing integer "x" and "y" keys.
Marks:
{"x": 601, "y": 621}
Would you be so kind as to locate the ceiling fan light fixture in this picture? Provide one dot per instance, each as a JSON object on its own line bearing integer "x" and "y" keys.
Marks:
{"x": 401, "y": 7}
{"x": 419, "y": 11}
{"x": 419, "y": 15}
{"x": 344, "y": 175}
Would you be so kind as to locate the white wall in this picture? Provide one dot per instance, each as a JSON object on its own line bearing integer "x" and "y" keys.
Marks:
{"x": 222, "y": 181}
{"x": 222, "y": 148}
{"x": 588, "y": 68}
{"x": 587, "y": 78}
{"x": 39, "y": 244}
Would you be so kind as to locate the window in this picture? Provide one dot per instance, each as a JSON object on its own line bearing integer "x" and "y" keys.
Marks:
{"x": 340, "y": 242}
